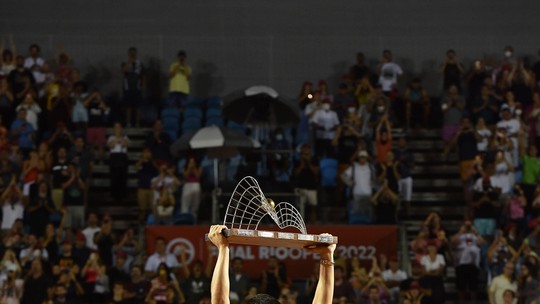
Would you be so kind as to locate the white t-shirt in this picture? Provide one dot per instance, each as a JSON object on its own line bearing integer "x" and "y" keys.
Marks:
{"x": 328, "y": 120}
{"x": 362, "y": 178}
{"x": 30, "y": 252}
{"x": 89, "y": 233}
{"x": 158, "y": 183}
{"x": 35, "y": 65}
{"x": 389, "y": 73}
{"x": 485, "y": 134}
{"x": 512, "y": 126}
{"x": 430, "y": 265}
{"x": 399, "y": 275}
{"x": 499, "y": 285}
{"x": 32, "y": 112}
{"x": 10, "y": 213}
{"x": 154, "y": 260}
{"x": 117, "y": 148}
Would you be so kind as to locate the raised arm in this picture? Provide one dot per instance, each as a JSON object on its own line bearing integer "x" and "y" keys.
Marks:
{"x": 325, "y": 288}
{"x": 220, "y": 280}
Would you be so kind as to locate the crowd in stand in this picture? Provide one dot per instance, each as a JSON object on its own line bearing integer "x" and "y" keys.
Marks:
{"x": 53, "y": 133}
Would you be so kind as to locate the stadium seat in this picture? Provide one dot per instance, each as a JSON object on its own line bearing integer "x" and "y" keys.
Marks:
{"x": 213, "y": 112}
{"x": 235, "y": 126}
{"x": 328, "y": 167}
{"x": 213, "y": 103}
{"x": 193, "y": 113}
{"x": 216, "y": 121}
{"x": 171, "y": 122}
{"x": 193, "y": 102}
{"x": 184, "y": 219}
{"x": 191, "y": 124}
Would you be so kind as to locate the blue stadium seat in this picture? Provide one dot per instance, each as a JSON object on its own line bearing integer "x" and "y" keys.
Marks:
{"x": 171, "y": 121}
{"x": 184, "y": 219}
{"x": 213, "y": 102}
{"x": 216, "y": 121}
{"x": 193, "y": 113}
{"x": 191, "y": 124}
{"x": 213, "y": 112}
{"x": 193, "y": 102}
{"x": 328, "y": 167}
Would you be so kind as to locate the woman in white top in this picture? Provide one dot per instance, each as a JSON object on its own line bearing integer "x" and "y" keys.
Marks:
{"x": 32, "y": 110}
{"x": 434, "y": 266}
{"x": 7, "y": 61}
{"x": 503, "y": 172}
{"x": 118, "y": 162}
{"x": 484, "y": 133}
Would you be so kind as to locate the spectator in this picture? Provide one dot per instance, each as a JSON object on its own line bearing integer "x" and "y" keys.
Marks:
{"x": 393, "y": 276}
{"x": 180, "y": 76}
{"x": 343, "y": 100}
{"x": 6, "y": 102}
{"x": 32, "y": 252}
{"x": 434, "y": 266}
{"x": 306, "y": 95}
{"x": 419, "y": 244}
{"x": 159, "y": 142}
{"x": 158, "y": 257}
{"x": 273, "y": 279}
{"x": 60, "y": 174}
{"x": 118, "y": 162}
{"x": 389, "y": 171}
{"x": 346, "y": 140}
{"x": 405, "y": 166}
{"x": 197, "y": 282}
{"x": 36, "y": 284}
{"x": 164, "y": 185}
{"x": 98, "y": 111}
{"x": 360, "y": 70}
{"x": 499, "y": 254}
{"x": 74, "y": 188}
{"x": 452, "y": 70}
{"x": 278, "y": 156}
{"x": 414, "y": 295}
{"x": 467, "y": 244}
{"x": 30, "y": 171}
{"x": 512, "y": 127}
{"x": 385, "y": 202}
{"x": 485, "y": 134}
{"x": 80, "y": 156}
{"x": 12, "y": 288}
{"x": 363, "y": 92}
{"x": 128, "y": 246}
{"x": 307, "y": 174}
{"x": 90, "y": 231}
{"x": 417, "y": 103}
{"x": 51, "y": 240}
{"x": 105, "y": 240}
{"x": 476, "y": 79}
{"x": 531, "y": 173}
{"x": 322, "y": 89}
{"x": 12, "y": 207}
{"x": 80, "y": 252}
{"x": 501, "y": 283}
{"x": 32, "y": 110}
{"x": 117, "y": 273}
{"x": 81, "y": 98}
{"x": 466, "y": 139}
{"x": 389, "y": 72}
{"x": 23, "y": 132}
{"x": 238, "y": 279}
{"x": 503, "y": 175}
{"x": 134, "y": 72}
{"x": 485, "y": 106}
{"x": 40, "y": 207}
{"x": 453, "y": 106}
{"x": 164, "y": 287}
{"x": 191, "y": 192}
{"x": 35, "y": 63}
{"x": 61, "y": 138}
{"x": 325, "y": 123}
{"x": 64, "y": 69}
{"x": 360, "y": 176}
{"x": 486, "y": 203}
{"x": 419, "y": 282}
{"x": 66, "y": 260}
{"x": 527, "y": 283}
{"x": 61, "y": 108}
{"x": 96, "y": 282}
{"x": 383, "y": 139}
{"x": 146, "y": 169}
{"x": 20, "y": 80}
{"x": 7, "y": 61}
{"x": 343, "y": 291}
{"x": 137, "y": 287}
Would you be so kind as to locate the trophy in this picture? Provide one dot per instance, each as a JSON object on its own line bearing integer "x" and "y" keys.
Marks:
{"x": 248, "y": 206}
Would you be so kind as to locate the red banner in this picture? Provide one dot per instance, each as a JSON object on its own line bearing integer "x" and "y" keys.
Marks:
{"x": 361, "y": 241}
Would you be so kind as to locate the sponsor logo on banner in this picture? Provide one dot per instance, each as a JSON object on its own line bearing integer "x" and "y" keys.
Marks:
{"x": 363, "y": 242}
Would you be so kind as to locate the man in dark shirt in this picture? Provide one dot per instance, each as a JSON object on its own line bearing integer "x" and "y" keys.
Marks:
{"x": 405, "y": 160}
{"x": 137, "y": 287}
{"x": 36, "y": 284}
{"x": 306, "y": 173}
{"x": 342, "y": 288}
{"x": 360, "y": 69}
{"x": 417, "y": 279}
{"x": 159, "y": 141}
{"x": 133, "y": 71}
{"x": 20, "y": 80}
{"x": 60, "y": 175}
{"x": 146, "y": 169}
{"x": 466, "y": 139}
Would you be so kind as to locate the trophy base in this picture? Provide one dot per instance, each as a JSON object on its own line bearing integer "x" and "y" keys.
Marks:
{"x": 277, "y": 239}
